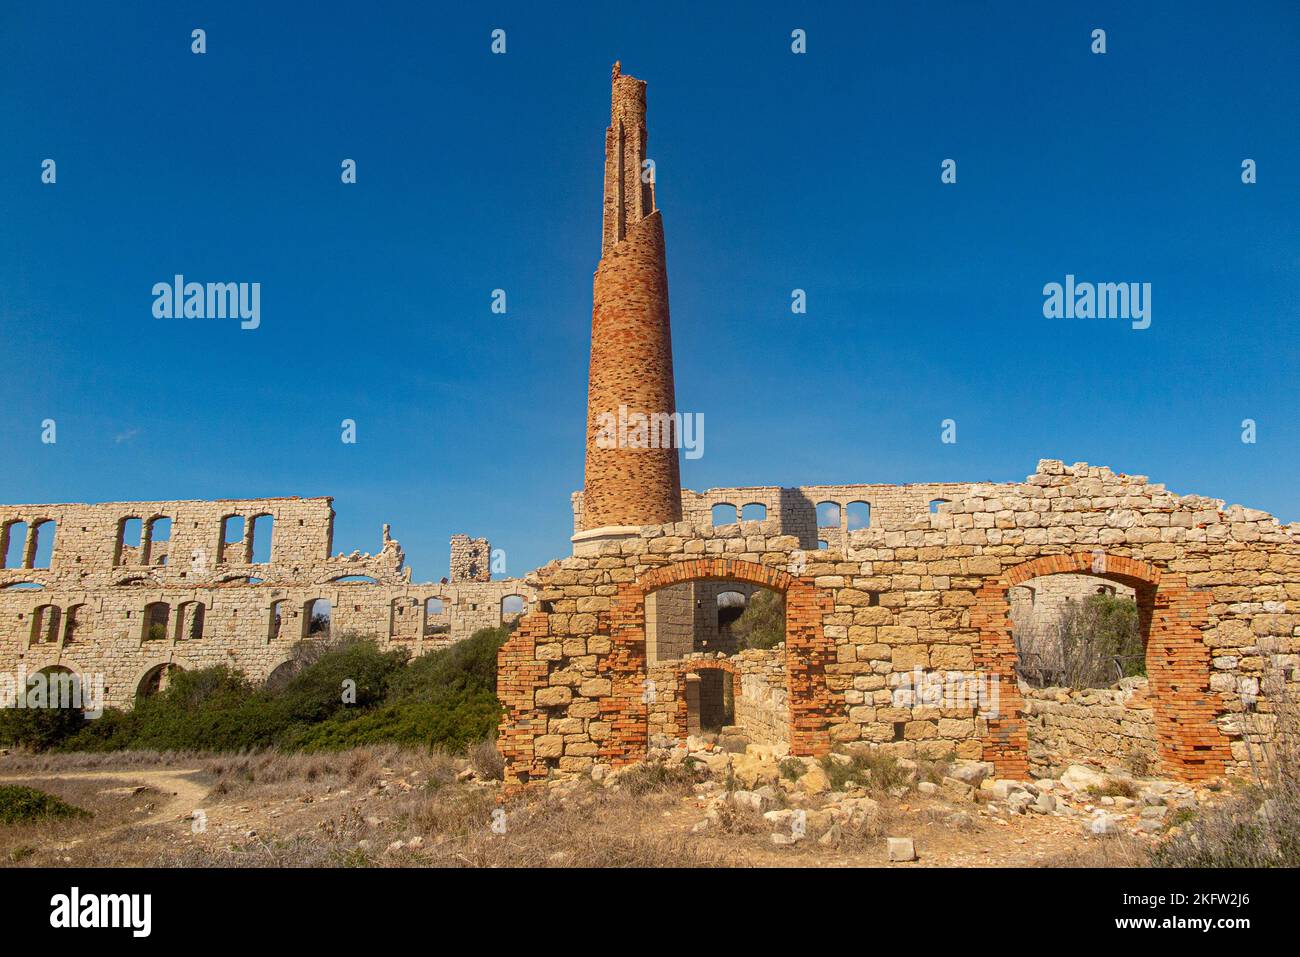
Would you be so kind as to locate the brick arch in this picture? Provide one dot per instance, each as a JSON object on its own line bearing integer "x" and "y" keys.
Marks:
{"x": 681, "y": 716}
{"x": 807, "y": 653}
{"x": 715, "y": 569}
{"x": 1171, "y": 616}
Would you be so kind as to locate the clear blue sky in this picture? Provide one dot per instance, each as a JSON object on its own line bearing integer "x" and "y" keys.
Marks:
{"x": 775, "y": 171}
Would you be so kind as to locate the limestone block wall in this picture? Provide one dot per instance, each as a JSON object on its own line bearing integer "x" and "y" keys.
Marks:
{"x": 901, "y": 636}
{"x": 762, "y": 702}
{"x": 90, "y": 609}
{"x": 1111, "y": 728}
{"x": 795, "y": 508}
{"x": 759, "y": 696}
{"x": 471, "y": 559}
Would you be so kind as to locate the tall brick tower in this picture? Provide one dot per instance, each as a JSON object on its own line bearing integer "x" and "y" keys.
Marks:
{"x": 631, "y": 373}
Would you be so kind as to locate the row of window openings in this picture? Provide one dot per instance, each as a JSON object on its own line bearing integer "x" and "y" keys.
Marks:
{"x": 138, "y": 542}
{"x": 50, "y": 623}
{"x": 856, "y": 514}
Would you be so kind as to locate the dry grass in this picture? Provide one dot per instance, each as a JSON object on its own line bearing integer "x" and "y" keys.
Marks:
{"x": 111, "y": 804}
{"x": 1121, "y": 850}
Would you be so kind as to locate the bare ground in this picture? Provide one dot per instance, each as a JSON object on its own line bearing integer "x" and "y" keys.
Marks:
{"x": 352, "y": 809}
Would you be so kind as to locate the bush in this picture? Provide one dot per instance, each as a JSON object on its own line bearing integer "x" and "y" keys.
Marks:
{"x": 1093, "y": 644}
{"x": 38, "y": 728}
{"x": 762, "y": 624}
{"x": 316, "y": 692}
{"x": 446, "y": 698}
{"x": 19, "y": 805}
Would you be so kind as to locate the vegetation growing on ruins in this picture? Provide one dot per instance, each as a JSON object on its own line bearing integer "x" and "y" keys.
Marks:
{"x": 762, "y": 624}
{"x": 1093, "y": 644}
{"x": 341, "y": 695}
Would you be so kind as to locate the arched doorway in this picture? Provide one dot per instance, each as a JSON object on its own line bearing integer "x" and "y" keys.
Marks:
{"x": 1170, "y": 615}
{"x": 807, "y": 653}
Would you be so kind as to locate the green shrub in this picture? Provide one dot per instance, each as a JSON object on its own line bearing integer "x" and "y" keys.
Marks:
{"x": 762, "y": 624}
{"x": 39, "y": 729}
{"x": 445, "y": 698}
{"x": 316, "y": 691}
{"x": 469, "y": 665}
{"x": 877, "y": 770}
{"x": 19, "y": 805}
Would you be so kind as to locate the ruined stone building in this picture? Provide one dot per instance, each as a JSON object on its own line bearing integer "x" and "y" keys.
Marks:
{"x": 134, "y": 590}
{"x": 902, "y": 603}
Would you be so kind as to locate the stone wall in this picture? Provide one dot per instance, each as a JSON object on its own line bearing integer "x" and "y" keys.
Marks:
{"x": 928, "y": 594}
{"x": 794, "y": 509}
{"x": 87, "y": 610}
{"x": 1112, "y": 728}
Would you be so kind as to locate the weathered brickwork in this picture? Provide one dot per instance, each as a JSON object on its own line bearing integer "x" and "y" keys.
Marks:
{"x": 1216, "y": 589}
{"x": 128, "y": 604}
{"x": 631, "y": 372}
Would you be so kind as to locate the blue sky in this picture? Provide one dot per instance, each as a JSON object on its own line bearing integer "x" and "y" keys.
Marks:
{"x": 774, "y": 172}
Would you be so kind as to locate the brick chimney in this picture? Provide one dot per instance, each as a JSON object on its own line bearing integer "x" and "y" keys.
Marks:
{"x": 631, "y": 375}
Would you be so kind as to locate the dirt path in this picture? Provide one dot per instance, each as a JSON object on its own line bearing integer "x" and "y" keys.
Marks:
{"x": 181, "y": 795}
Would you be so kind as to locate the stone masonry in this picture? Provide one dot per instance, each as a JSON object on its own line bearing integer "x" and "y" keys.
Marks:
{"x": 901, "y": 600}
{"x": 130, "y": 604}
{"x": 1217, "y": 591}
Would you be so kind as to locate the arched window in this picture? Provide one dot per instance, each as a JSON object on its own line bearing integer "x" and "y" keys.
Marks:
{"x": 731, "y": 605}
{"x": 512, "y": 606}
{"x": 55, "y": 687}
{"x": 435, "y": 617}
{"x": 316, "y": 618}
{"x": 754, "y": 512}
{"x": 404, "y": 618}
{"x": 281, "y": 675}
{"x": 157, "y": 536}
{"x": 130, "y": 540}
{"x": 191, "y": 619}
{"x": 858, "y": 515}
{"x": 157, "y": 616}
{"x": 155, "y": 680}
{"x": 43, "y": 543}
{"x": 262, "y": 529}
{"x": 354, "y": 580}
{"x": 822, "y": 544}
{"x": 724, "y": 514}
{"x": 45, "y": 625}
{"x": 22, "y": 586}
{"x": 76, "y": 623}
{"x": 232, "y": 540}
{"x": 14, "y": 546}
{"x": 935, "y": 503}
{"x": 276, "y": 621}
{"x": 828, "y": 514}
